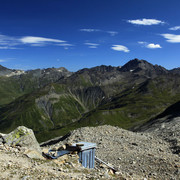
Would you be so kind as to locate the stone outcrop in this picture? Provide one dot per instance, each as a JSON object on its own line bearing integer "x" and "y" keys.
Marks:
{"x": 23, "y": 137}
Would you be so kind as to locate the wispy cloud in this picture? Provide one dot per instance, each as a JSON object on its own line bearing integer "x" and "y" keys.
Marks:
{"x": 2, "y": 60}
{"x": 7, "y": 59}
{"x": 9, "y": 42}
{"x": 92, "y": 45}
{"x": 39, "y": 40}
{"x": 90, "y": 30}
{"x": 172, "y": 38}
{"x": 142, "y": 42}
{"x": 146, "y": 22}
{"x": 175, "y": 28}
{"x": 65, "y": 45}
{"x": 149, "y": 45}
{"x": 120, "y": 48}
{"x": 8, "y": 47}
{"x": 112, "y": 33}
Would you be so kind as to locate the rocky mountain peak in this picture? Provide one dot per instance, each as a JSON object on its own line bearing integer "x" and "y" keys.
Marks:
{"x": 135, "y": 64}
{"x": 143, "y": 67}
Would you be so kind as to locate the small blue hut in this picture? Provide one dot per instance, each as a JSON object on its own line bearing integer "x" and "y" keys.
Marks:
{"x": 86, "y": 153}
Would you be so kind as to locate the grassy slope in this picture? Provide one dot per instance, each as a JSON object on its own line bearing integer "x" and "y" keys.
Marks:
{"x": 25, "y": 111}
{"x": 68, "y": 111}
{"x": 132, "y": 107}
{"x": 9, "y": 90}
{"x": 21, "y": 111}
{"x": 16, "y": 86}
{"x": 12, "y": 88}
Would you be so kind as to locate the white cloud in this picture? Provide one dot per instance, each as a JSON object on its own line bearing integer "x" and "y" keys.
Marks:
{"x": 120, "y": 48}
{"x": 175, "y": 28}
{"x": 172, "y": 38}
{"x": 92, "y": 45}
{"x": 8, "y": 42}
{"x": 39, "y": 40}
{"x": 142, "y": 42}
{"x": 149, "y": 45}
{"x": 90, "y": 30}
{"x": 8, "y": 47}
{"x": 153, "y": 46}
{"x": 65, "y": 44}
{"x": 145, "y": 22}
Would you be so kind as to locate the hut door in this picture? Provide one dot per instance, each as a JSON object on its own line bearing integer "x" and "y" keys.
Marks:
{"x": 86, "y": 159}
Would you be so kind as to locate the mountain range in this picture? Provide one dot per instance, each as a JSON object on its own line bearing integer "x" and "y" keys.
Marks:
{"x": 54, "y": 101}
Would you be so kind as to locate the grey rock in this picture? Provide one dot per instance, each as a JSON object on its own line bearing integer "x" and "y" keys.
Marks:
{"x": 33, "y": 154}
{"x": 23, "y": 137}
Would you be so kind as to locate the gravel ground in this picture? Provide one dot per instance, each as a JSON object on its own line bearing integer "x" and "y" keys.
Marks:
{"x": 166, "y": 128}
{"x": 15, "y": 165}
{"x": 135, "y": 155}
{"x": 151, "y": 154}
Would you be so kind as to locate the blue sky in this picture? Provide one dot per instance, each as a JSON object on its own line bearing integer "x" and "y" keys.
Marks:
{"x": 85, "y": 33}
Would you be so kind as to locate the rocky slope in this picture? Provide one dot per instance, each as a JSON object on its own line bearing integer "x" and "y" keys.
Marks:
{"x": 167, "y": 126}
{"x": 135, "y": 155}
{"x": 20, "y": 158}
{"x": 16, "y": 166}
{"x": 142, "y": 156}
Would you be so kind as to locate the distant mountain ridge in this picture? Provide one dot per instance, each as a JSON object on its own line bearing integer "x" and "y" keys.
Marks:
{"x": 15, "y": 83}
{"x": 9, "y": 72}
{"x": 36, "y": 72}
{"x": 175, "y": 71}
{"x": 134, "y": 65}
{"x": 54, "y": 101}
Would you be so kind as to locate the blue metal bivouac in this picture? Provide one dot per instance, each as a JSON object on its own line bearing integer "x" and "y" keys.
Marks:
{"x": 86, "y": 152}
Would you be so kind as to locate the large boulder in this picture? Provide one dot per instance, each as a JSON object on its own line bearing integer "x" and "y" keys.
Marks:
{"x": 23, "y": 137}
